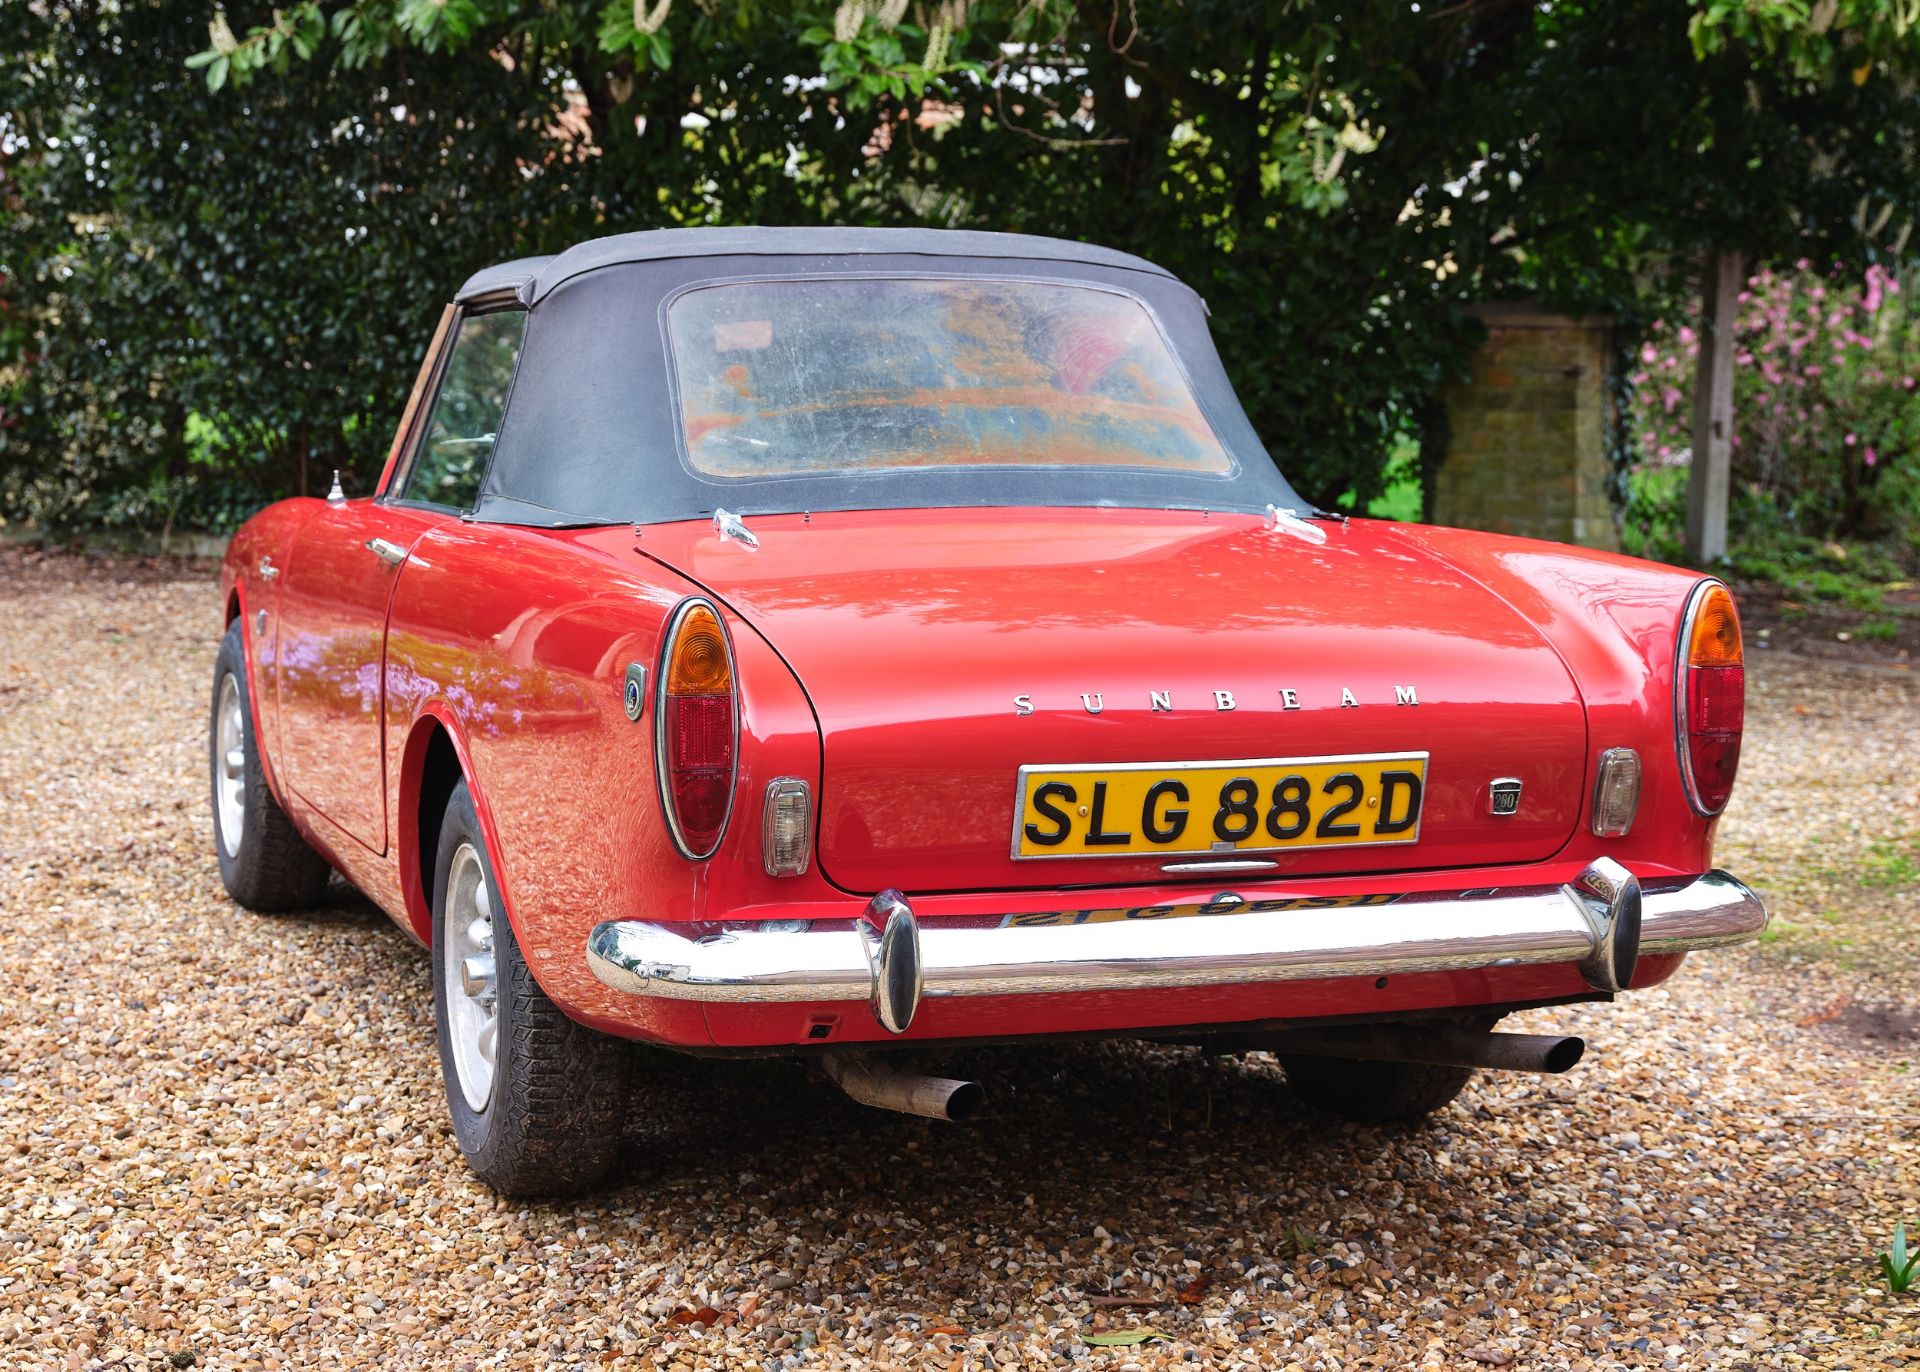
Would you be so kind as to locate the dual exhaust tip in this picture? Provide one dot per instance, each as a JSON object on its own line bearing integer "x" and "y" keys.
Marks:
{"x": 870, "y": 1079}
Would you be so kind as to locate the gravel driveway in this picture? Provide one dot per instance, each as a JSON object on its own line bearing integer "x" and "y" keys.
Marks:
{"x": 223, "y": 1141}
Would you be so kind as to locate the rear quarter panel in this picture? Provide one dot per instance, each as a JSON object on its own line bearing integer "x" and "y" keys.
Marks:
{"x": 1616, "y": 622}
{"x": 517, "y": 642}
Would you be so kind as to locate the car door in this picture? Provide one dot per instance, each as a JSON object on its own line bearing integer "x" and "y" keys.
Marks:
{"x": 341, "y": 573}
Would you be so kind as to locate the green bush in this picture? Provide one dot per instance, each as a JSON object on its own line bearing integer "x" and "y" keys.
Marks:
{"x": 1826, "y": 438}
{"x": 204, "y": 307}
{"x": 1855, "y": 575}
{"x": 223, "y": 245}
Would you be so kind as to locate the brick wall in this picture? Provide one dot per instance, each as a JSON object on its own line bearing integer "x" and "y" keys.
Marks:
{"x": 1528, "y": 451}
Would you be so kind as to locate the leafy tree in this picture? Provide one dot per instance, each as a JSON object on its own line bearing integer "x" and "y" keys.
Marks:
{"x": 1796, "y": 139}
{"x": 1339, "y": 181}
{"x": 1564, "y": 147}
{"x": 1662, "y": 161}
{"x": 1219, "y": 145}
{"x": 224, "y": 299}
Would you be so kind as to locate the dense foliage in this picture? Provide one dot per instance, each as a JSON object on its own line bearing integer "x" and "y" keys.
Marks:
{"x": 1827, "y": 400}
{"x": 219, "y": 279}
{"x": 229, "y": 299}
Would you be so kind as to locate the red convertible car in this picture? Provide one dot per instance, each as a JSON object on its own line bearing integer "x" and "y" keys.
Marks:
{"x": 836, "y": 641}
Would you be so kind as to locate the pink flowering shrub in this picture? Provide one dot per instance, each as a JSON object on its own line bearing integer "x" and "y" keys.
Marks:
{"x": 1826, "y": 399}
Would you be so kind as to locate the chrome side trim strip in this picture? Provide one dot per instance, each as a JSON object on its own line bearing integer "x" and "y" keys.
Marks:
{"x": 1224, "y": 865}
{"x": 1419, "y": 932}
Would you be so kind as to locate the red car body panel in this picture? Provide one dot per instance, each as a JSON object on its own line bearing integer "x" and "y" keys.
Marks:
{"x": 915, "y": 633}
{"x": 878, "y": 654}
{"x": 327, "y": 688}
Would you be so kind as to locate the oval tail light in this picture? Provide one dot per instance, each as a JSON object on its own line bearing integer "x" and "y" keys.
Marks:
{"x": 1710, "y": 696}
{"x": 697, "y": 729}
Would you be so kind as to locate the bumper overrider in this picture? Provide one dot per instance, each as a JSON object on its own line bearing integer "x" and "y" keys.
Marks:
{"x": 1601, "y": 922}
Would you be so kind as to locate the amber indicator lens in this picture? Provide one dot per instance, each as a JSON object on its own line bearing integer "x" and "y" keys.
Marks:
{"x": 700, "y": 665}
{"x": 1716, "y": 631}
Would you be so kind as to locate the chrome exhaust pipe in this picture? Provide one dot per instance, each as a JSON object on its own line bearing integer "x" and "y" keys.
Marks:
{"x": 869, "y": 1080}
{"x": 1448, "y": 1047}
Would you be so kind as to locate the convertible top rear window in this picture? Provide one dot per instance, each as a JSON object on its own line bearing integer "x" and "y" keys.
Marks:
{"x": 783, "y": 378}
{"x": 623, "y": 393}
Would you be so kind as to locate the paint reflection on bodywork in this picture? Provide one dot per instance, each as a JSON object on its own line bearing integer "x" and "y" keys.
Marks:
{"x": 517, "y": 642}
{"x": 531, "y": 682}
{"x": 971, "y": 609}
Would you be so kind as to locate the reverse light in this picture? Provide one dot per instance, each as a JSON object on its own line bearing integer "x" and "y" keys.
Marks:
{"x": 786, "y": 827}
{"x": 696, "y": 729}
{"x": 1710, "y": 696}
{"x": 1616, "y": 792}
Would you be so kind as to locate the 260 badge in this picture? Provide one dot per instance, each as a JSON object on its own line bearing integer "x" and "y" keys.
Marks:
{"x": 1138, "y": 809}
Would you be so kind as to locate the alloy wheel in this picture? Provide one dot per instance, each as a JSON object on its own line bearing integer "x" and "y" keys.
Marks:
{"x": 473, "y": 1012}
{"x": 230, "y": 760}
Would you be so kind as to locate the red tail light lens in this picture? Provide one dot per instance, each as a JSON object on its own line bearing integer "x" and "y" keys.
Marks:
{"x": 1710, "y": 697}
{"x": 697, "y": 729}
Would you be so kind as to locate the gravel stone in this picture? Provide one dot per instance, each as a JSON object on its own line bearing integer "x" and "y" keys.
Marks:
{"x": 223, "y": 1140}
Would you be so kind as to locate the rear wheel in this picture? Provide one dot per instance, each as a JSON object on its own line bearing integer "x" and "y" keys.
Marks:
{"x": 1374, "y": 1092}
{"x": 538, "y": 1101}
{"x": 264, "y": 862}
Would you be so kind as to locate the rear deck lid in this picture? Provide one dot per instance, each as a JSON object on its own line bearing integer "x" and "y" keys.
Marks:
{"x": 1043, "y": 698}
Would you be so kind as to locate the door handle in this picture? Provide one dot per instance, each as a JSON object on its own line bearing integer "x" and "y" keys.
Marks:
{"x": 390, "y": 553}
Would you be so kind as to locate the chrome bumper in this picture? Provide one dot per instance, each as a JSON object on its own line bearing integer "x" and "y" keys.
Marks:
{"x": 1601, "y": 921}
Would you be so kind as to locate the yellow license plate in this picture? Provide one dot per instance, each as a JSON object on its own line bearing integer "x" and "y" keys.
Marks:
{"x": 1168, "y": 809}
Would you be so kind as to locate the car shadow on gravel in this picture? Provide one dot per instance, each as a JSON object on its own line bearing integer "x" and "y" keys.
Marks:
{"x": 1103, "y": 1167}
{"x": 1875, "y": 1030}
{"x": 1116, "y": 1129}
{"x": 341, "y": 909}
{"x": 1123, "y": 1114}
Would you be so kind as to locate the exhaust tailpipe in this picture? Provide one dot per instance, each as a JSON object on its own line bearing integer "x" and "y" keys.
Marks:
{"x": 1449, "y": 1047}
{"x": 869, "y": 1080}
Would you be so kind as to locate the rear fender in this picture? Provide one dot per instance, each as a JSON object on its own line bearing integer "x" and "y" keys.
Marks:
{"x": 517, "y": 644}
{"x": 437, "y": 717}
{"x": 1615, "y": 622}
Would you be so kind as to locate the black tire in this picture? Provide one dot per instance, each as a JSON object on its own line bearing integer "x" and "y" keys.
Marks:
{"x": 552, "y": 1122}
{"x": 271, "y": 867}
{"x": 1374, "y": 1092}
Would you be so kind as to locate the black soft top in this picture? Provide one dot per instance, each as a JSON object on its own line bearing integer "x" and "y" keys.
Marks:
{"x": 592, "y": 432}
{"x": 502, "y": 282}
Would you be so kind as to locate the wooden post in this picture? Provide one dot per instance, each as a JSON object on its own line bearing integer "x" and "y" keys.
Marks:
{"x": 1711, "y": 478}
